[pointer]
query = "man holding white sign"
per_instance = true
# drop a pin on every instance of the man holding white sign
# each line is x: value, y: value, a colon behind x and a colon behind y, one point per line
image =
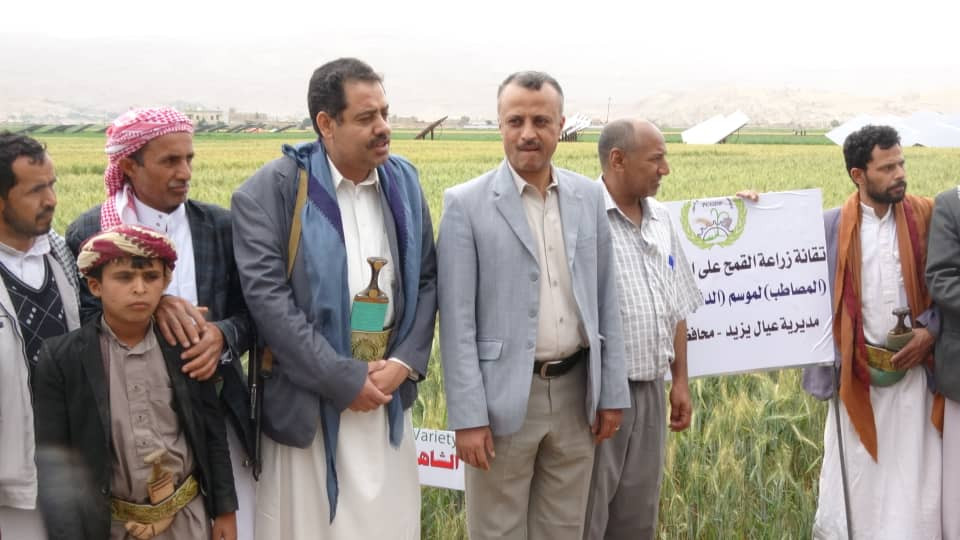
x: 657, y: 291
x: 876, y: 249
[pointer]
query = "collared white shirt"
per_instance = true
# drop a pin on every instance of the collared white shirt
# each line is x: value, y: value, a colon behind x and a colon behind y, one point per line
x: 27, y: 266
x: 177, y: 227
x: 364, y: 234
x: 881, y: 278
x: 559, y: 327
x: 655, y: 285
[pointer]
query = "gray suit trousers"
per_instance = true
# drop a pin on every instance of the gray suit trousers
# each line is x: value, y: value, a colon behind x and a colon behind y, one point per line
x: 628, y: 470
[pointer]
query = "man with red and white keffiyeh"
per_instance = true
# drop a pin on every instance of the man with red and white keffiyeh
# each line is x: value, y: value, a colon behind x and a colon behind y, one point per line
x: 147, y: 182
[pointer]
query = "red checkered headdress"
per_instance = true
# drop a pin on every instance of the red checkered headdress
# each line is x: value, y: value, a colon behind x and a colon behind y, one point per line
x: 127, y: 134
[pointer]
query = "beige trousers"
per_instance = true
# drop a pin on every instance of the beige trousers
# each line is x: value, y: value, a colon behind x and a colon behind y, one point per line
x: 537, y: 485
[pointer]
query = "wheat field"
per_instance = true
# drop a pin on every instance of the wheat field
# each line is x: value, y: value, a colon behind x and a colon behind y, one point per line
x: 748, y: 466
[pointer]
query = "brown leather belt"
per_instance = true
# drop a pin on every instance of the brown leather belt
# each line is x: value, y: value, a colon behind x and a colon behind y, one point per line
x: 549, y: 369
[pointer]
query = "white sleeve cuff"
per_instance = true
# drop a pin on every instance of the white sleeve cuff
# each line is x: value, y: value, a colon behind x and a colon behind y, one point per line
x: 411, y: 374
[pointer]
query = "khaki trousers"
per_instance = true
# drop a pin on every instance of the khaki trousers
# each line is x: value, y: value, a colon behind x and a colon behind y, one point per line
x: 537, y: 485
x: 628, y: 470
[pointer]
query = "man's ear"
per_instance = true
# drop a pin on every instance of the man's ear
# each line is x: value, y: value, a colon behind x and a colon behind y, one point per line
x: 167, y: 276
x: 615, y: 159
x: 858, y: 176
x: 128, y: 166
x: 96, y: 288
x: 325, y: 124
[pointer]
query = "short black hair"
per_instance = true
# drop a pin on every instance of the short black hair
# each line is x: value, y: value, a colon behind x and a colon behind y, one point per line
x: 136, y: 261
x: 617, y: 134
x: 13, y: 146
x: 531, y: 80
x: 325, y: 91
x: 859, y: 145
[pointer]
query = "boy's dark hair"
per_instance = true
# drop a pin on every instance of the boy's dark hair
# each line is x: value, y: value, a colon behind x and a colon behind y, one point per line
x: 13, y: 146
x: 859, y: 145
x: 325, y: 91
x: 136, y: 262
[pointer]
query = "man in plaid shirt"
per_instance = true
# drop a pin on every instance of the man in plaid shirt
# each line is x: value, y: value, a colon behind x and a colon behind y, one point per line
x: 657, y: 292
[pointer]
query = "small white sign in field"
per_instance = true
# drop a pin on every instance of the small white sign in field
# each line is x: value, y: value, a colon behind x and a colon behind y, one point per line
x: 437, y: 460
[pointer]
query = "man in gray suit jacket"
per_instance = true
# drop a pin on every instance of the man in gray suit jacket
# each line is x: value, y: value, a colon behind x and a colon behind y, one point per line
x: 529, y: 326
x: 338, y: 438
x: 943, y: 280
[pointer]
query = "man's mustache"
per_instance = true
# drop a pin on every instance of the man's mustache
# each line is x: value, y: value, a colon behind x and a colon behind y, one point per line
x: 900, y: 184
x: 382, y: 139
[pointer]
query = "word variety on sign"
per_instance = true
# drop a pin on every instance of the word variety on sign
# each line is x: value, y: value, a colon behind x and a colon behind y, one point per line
x: 437, y: 461
x: 762, y: 270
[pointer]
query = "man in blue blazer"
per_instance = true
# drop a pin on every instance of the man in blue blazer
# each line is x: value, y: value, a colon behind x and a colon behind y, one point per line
x: 530, y: 337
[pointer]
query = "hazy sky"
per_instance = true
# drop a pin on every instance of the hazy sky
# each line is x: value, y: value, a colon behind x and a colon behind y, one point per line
x: 447, y: 57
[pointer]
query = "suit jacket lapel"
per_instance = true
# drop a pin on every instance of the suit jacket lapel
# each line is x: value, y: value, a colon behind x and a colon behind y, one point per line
x: 570, y: 203
x: 507, y: 200
x: 92, y: 357
x: 201, y: 231
x: 184, y: 405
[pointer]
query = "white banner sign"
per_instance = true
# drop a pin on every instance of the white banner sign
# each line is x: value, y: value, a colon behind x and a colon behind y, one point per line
x: 437, y: 460
x: 762, y: 270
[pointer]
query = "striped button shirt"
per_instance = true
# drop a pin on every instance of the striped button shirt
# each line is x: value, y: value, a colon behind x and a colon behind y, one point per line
x: 656, y: 286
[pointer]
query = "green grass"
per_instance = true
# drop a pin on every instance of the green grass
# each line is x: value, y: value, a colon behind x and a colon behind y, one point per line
x: 748, y: 466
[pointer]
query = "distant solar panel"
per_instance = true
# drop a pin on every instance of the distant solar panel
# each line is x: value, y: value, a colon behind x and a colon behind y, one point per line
x: 714, y: 129
x: 575, y: 124
x: 922, y: 128
x: 429, y: 129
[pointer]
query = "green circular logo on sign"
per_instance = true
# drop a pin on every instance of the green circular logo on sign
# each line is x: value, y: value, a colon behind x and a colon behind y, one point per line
x: 713, y: 222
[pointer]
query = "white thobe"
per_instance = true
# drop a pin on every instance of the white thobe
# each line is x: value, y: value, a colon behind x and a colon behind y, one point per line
x: 897, y: 496
x: 379, y: 489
